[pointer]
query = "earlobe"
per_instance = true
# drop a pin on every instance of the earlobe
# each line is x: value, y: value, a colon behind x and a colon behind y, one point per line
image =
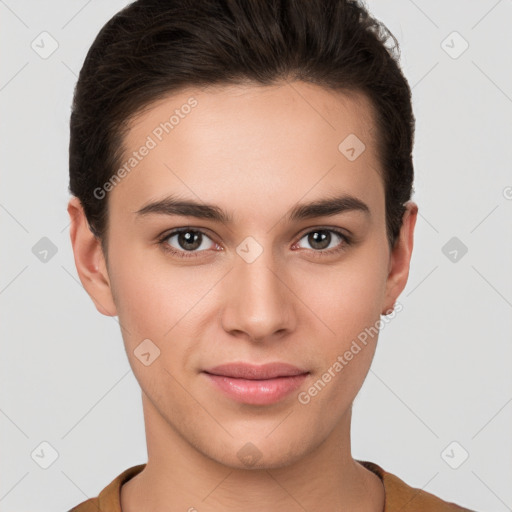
x: 89, y: 260
x: 400, y: 258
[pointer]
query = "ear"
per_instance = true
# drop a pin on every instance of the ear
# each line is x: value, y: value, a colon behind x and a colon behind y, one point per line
x: 89, y: 260
x: 400, y: 258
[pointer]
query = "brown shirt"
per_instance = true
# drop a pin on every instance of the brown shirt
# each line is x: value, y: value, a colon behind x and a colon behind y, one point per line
x: 399, y: 496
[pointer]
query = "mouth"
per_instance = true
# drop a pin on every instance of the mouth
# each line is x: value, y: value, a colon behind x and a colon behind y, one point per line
x: 256, y: 384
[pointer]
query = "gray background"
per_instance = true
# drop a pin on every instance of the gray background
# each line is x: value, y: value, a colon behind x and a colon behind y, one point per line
x: 442, y: 371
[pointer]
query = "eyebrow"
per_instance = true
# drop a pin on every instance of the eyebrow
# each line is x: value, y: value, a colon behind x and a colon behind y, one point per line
x: 173, y: 205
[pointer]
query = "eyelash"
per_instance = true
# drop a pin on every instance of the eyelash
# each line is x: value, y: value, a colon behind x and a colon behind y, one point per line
x: 162, y: 241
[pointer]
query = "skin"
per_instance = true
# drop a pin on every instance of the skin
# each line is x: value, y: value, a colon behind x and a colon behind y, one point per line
x: 255, y: 152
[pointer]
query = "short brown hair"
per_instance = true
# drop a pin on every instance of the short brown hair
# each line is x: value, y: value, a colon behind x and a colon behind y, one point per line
x: 153, y: 48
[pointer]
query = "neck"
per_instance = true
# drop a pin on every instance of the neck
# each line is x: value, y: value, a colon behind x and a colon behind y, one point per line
x: 178, y: 476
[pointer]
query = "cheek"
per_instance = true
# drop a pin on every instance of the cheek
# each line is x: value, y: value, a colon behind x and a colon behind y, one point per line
x: 147, y: 291
x: 346, y: 302
x: 151, y: 309
x: 159, y: 301
x: 348, y: 297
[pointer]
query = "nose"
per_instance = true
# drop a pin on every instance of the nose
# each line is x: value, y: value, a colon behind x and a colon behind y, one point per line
x: 259, y: 303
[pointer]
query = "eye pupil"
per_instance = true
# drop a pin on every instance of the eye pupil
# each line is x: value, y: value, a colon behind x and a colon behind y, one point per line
x: 314, y: 239
x: 185, y: 239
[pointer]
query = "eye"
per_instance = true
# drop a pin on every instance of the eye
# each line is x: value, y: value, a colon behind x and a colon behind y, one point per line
x: 322, y: 241
x: 187, y: 240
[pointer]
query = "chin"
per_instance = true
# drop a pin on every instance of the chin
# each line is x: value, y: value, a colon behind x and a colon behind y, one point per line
x: 258, y: 454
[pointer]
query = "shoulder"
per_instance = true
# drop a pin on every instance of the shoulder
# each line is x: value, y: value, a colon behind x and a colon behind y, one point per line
x: 403, y: 497
x: 87, y: 506
x: 108, y: 499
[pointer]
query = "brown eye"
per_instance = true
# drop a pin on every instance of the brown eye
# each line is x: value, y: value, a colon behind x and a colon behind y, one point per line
x: 325, y: 242
x: 186, y: 241
x: 319, y: 239
x: 189, y: 240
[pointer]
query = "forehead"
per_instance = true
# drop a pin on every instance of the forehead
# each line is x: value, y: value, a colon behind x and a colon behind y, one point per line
x: 251, y: 147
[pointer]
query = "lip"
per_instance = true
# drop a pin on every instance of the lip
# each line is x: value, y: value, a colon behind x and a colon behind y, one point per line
x: 256, y: 372
x: 256, y: 384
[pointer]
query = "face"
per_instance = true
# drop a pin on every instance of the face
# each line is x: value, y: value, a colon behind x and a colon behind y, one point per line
x: 251, y: 275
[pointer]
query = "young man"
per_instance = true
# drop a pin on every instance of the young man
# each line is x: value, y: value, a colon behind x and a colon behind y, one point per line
x: 241, y: 175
